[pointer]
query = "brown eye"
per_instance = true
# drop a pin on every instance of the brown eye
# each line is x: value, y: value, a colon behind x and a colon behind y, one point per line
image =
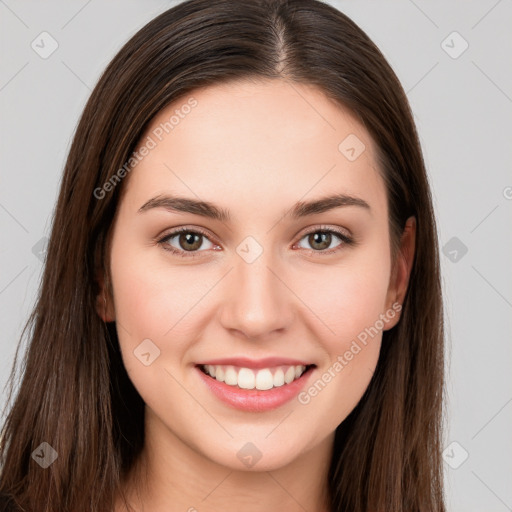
x: 320, y: 240
x: 187, y: 241
x: 190, y: 241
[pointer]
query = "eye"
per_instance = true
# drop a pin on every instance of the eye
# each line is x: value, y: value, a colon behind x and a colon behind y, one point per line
x: 321, y: 239
x: 188, y: 241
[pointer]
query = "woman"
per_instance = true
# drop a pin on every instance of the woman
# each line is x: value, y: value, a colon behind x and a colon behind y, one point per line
x: 241, y: 303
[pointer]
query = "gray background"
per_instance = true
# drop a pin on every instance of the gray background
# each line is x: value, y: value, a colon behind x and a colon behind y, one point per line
x: 462, y: 102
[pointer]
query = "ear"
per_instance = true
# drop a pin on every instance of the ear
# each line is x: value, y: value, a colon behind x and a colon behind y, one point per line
x: 401, y: 271
x: 104, y: 302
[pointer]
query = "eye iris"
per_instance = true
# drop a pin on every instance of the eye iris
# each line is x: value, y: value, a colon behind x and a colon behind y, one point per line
x: 324, y: 239
x: 189, y: 239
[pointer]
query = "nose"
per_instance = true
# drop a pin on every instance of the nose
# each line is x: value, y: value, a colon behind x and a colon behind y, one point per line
x: 258, y: 302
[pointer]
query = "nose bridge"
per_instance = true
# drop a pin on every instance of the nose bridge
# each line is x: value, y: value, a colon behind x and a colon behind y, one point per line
x: 257, y: 302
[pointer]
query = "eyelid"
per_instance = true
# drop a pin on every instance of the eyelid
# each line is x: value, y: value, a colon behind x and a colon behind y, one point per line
x: 325, y: 227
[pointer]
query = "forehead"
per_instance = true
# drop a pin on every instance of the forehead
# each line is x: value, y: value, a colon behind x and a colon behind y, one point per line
x: 256, y: 143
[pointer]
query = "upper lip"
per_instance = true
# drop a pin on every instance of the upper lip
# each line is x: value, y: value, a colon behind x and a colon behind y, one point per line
x: 267, y: 362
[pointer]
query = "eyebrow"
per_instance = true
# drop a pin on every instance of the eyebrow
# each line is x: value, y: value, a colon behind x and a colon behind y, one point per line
x: 206, y: 209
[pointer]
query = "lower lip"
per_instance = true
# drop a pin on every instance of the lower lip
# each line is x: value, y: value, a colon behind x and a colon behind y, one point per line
x: 255, y: 400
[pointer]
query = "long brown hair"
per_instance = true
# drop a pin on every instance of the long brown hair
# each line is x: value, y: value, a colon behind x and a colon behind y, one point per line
x: 75, y: 394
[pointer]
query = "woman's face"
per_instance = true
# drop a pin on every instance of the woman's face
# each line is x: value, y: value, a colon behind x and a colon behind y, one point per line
x: 261, y: 282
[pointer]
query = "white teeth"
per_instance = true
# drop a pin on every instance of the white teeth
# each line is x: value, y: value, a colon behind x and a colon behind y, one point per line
x: 246, y: 378
x: 230, y: 376
x: 264, y: 379
x: 289, y: 376
x: 278, y: 378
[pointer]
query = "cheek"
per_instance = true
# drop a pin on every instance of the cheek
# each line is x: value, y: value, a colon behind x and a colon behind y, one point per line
x: 345, y: 299
x: 152, y: 291
x: 348, y: 327
x: 153, y: 301
x: 348, y: 303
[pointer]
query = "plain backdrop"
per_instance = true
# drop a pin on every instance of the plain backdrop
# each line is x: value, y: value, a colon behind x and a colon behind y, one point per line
x: 453, y: 59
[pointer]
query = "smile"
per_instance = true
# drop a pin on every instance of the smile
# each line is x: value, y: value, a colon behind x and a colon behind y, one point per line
x: 267, y: 387
x: 261, y: 379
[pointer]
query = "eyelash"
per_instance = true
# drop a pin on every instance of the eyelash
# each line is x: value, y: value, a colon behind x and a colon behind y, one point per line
x: 193, y: 254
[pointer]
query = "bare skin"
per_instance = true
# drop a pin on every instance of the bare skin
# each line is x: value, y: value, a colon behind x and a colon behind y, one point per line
x: 254, y: 149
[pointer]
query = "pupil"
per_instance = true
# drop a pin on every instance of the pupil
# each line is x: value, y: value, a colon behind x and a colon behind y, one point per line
x: 317, y: 238
x: 189, y: 239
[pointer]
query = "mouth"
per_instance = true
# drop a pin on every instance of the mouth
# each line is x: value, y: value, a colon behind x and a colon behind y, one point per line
x: 255, y: 389
x: 262, y: 379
